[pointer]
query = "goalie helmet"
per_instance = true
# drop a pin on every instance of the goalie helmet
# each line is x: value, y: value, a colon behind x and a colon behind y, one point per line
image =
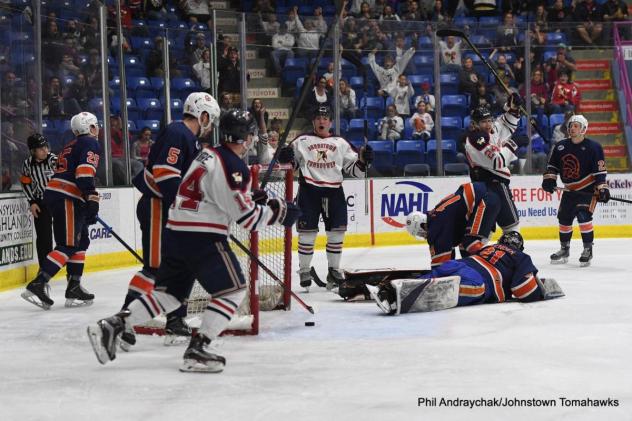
x: 578, y: 118
x: 236, y: 125
x: 481, y: 113
x: 512, y: 239
x: 36, y: 140
x: 417, y: 225
x: 82, y: 123
x: 199, y: 102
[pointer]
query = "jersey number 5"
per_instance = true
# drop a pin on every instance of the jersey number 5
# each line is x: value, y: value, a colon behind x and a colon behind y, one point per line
x: 190, y: 188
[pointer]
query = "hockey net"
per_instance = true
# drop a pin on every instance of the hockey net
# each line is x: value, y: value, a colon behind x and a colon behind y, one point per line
x: 272, y: 246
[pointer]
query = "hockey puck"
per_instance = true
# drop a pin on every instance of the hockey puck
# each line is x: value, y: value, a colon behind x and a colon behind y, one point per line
x: 310, y: 323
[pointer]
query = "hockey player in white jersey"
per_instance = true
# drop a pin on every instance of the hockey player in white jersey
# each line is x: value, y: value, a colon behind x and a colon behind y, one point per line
x: 322, y: 160
x: 490, y: 149
x: 214, y: 192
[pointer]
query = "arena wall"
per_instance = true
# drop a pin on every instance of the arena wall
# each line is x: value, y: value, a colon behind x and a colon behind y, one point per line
x: 390, y: 200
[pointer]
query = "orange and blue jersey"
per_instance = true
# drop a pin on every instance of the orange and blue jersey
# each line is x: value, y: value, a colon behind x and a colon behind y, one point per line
x: 76, y: 170
x: 169, y: 159
x: 581, y: 166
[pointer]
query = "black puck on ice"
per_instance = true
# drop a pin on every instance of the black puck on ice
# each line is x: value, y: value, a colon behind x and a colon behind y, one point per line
x: 310, y: 323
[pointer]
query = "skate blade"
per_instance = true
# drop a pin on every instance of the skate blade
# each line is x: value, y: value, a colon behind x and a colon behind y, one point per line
x: 306, y: 288
x: 73, y: 302
x: 194, y: 366
x: 174, y: 340
x: 584, y: 264
x: 125, y: 346
x: 373, y: 290
x: 32, y: 298
x: 560, y: 262
x: 94, y: 334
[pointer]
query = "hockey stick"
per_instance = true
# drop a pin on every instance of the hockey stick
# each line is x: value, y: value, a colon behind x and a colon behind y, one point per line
x: 585, y: 193
x: 304, y: 89
x: 366, y: 142
x: 120, y: 240
x: 461, y: 34
x: 269, y: 272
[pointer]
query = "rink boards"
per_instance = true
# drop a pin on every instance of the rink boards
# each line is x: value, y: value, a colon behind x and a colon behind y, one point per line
x: 376, y: 212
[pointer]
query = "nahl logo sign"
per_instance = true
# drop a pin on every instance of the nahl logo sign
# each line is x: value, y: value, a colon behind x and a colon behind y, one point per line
x: 402, y: 198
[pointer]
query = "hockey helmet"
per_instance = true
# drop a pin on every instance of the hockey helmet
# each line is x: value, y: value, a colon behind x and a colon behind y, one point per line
x: 82, y: 123
x: 578, y: 118
x: 512, y: 239
x: 481, y: 113
x: 236, y: 125
x: 36, y: 140
x: 199, y: 102
x: 417, y: 225
x: 322, y: 110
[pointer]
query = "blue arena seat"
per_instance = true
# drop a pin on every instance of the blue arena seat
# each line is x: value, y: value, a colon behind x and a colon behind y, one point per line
x: 151, y: 108
x: 410, y: 152
x: 449, y: 83
x: 448, y: 149
x: 374, y: 105
x: 454, y: 105
x: 383, y: 150
x: 451, y: 127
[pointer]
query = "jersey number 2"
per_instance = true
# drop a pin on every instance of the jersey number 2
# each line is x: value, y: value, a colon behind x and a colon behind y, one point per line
x: 190, y: 188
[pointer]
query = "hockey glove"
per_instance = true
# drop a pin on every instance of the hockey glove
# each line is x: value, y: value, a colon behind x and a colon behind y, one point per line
x: 366, y: 155
x: 509, y: 143
x: 260, y: 197
x: 92, y: 208
x: 549, y: 185
x: 603, y: 193
x: 284, y: 213
x: 514, y: 103
x: 286, y: 155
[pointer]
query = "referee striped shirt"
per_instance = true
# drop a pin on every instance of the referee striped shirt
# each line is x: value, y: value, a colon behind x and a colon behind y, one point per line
x: 35, y: 176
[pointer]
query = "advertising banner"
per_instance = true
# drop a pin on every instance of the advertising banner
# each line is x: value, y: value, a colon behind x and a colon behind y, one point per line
x: 16, y: 232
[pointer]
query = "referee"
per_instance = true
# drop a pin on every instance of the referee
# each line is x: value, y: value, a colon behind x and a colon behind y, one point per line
x: 37, y: 170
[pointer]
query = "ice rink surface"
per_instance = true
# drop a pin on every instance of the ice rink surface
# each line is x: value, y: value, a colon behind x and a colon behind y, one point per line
x: 355, y: 364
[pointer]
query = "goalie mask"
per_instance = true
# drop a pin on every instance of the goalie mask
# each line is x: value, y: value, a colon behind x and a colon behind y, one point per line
x: 512, y: 239
x: 417, y: 225
x: 581, y: 120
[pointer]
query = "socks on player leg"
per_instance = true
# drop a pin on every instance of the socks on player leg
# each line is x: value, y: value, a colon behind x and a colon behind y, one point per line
x: 334, y: 248
x: 306, y: 242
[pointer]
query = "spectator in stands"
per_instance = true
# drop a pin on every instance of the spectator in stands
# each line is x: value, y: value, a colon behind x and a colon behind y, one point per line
x: 117, y: 152
x: 426, y: 97
x: 53, y: 100
x: 202, y: 70
x: 318, y: 21
x: 400, y: 51
x: 507, y: 33
x: 224, y: 45
x: 275, y: 125
x: 92, y: 71
x: 450, y: 54
x: 365, y: 14
x: 198, y: 9
x: 541, y: 18
x: 273, y: 139
x: 616, y: 11
x: 387, y: 75
x: 562, y: 62
x: 12, y: 97
x: 270, y: 26
x: 414, y: 13
x: 539, y: 94
x: 52, y: 44
x: 348, y: 104
x: 402, y: 93
x: 77, y: 96
x: 318, y: 96
x: 142, y: 145
x: 154, y: 10
x: 391, y: 126
x: 225, y: 103
x: 199, y: 48
x: 259, y: 112
x: 499, y: 92
x: 308, y: 38
x: 560, y: 131
x: 468, y: 77
x: 154, y: 65
x: 422, y: 123
x: 73, y: 33
x: 439, y: 14
x: 329, y: 75
x: 589, y: 15
x: 558, y: 15
x: 67, y: 67
x: 263, y: 6
x: 389, y: 19
x: 282, y: 43
x: 565, y: 95
x: 90, y: 35
x: 229, y: 74
x: 127, y: 47
x: 481, y: 97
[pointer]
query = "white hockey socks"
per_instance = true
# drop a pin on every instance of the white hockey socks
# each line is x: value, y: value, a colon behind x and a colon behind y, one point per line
x: 218, y: 313
x: 148, y: 306
x: 306, y: 242
x: 334, y: 248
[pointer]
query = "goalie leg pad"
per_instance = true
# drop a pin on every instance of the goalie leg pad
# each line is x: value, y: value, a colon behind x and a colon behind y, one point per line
x: 421, y: 295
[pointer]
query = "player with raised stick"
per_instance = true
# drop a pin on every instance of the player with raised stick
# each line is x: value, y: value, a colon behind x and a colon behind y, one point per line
x: 73, y: 201
x: 489, y: 150
x: 322, y: 161
x: 214, y: 192
x: 580, y: 163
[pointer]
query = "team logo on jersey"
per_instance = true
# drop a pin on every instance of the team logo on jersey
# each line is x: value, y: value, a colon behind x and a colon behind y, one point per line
x: 560, y: 148
x: 402, y: 198
x: 570, y: 167
x: 481, y: 140
x: 321, y: 156
x: 237, y: 177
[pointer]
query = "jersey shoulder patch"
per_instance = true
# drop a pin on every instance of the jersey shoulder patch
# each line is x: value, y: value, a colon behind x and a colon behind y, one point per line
x: 236, y: 171
x: 478, y: 139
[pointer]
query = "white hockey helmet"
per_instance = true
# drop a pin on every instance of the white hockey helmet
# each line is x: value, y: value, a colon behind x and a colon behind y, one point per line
x: 416, y: 224
x: 578, y: 118
x: 82, y: 122
x: 199, y: 102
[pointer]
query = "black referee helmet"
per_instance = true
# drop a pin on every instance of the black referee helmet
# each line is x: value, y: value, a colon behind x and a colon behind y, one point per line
x: 36, y: 140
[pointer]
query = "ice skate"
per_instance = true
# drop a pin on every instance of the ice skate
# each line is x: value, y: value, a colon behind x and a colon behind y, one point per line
x: 77, y: 296
x: 561, y: 256
x: 176, y: 331
x: 105, y: 336
x: 334, y: 278
x: 586, y: 256
x: 384, y: 298
x: 38, y: 293
x: 197, y: 359
x: 128, y: 339
x: 305, y: 279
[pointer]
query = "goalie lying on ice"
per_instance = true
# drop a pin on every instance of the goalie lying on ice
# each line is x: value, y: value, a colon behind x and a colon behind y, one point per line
x: 497, y: 273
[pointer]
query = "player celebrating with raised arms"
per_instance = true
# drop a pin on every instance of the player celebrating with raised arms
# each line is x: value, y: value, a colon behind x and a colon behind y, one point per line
x: 73, y: 202
x: 489, y: 150
x: 214, y: 192
x: 581, y: 165
x: 323, y: 160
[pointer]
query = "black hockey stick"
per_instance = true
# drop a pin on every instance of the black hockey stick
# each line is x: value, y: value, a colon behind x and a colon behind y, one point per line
x: 585, y: 193
x: 120, y: 240
x: 307, y: 82
x: 269, y: 272
x: 461, y: 34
